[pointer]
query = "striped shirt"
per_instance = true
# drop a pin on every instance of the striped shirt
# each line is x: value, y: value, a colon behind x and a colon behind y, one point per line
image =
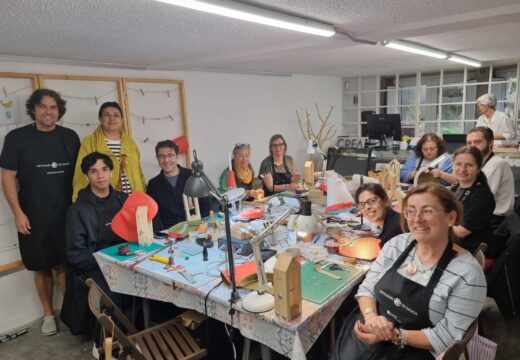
x: 115, y: 148
x: 457, y: 298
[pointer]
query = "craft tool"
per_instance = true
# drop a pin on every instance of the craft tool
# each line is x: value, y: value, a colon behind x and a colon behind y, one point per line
x: 187, y: 276
x: 143, y: 257
x: 331, y: 275
x: 160, y: 259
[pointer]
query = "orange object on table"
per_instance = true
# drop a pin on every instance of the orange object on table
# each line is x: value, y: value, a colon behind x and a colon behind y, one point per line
x: 363, y: 249
x: 254, y: 213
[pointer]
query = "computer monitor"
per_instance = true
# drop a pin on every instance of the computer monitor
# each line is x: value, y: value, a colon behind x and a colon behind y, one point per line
x: 381, y: 126
x: 454, y: 141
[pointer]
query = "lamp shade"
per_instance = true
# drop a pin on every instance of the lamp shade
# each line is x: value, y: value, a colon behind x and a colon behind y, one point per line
x: 196, y: 187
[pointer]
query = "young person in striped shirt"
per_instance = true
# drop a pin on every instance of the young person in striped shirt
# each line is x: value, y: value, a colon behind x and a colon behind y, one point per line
x: 110, y: 139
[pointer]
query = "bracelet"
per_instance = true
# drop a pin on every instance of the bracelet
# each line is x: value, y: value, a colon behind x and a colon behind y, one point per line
x: 401, y: 338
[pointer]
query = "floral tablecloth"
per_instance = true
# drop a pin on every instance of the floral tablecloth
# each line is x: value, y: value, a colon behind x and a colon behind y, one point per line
x: 289, y: 338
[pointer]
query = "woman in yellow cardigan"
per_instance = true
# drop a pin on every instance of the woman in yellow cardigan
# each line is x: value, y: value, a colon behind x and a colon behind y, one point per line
x: 110, y: 139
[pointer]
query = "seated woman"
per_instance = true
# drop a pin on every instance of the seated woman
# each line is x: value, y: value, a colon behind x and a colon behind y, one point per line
x: 477, y: 199
x: 109, y: 138
x: 428, y: 148
x: 244, y: 173
x: 422, y: 292
x: 375, y: 206
x: 278, y: 170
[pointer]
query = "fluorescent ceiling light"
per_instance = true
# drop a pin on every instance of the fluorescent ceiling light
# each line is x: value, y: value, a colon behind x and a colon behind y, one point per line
x: 464, y: 60
x: 257, y: 15
x: 416, y: 49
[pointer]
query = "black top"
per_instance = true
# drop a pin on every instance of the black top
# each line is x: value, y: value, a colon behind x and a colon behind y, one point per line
x: 479, y: 204
x: 391, y: 226
x: 88, y: 227
x: 44, y: 163
x: 169, y: 200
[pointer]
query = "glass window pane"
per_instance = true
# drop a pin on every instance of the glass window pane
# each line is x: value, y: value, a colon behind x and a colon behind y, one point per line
x: 468, y: 125
x: 451, y: 112
x: 368, y: 99
x: 407, y: 80
x: 478, y: 75
x: 504, y: 72
x: 452, y: 94
x: 451, y: 127
x: 387, y: 82
x: 430, y: 127
x: 407, y: 96
x: 350, y: 100
x: 350, y: 116
x: 429, y: 113
x: 388, y: 98
x: 471, y: 111
x: 429, y: 95
x: 499, y: 90
x: 369, y: 83
x: 431, y: 79
x: 407, y: 115
x: 453, y: 77
x: 473, y: 92
x: 350, y: 129
x: 350, y: 84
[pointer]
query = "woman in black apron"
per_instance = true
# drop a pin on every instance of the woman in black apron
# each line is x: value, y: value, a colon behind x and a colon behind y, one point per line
x: 390, y: 324
x: 476, y: 198
x: 277, y: 170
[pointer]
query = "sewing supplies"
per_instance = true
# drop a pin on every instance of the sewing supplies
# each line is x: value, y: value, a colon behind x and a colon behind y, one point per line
x: 329, y: 274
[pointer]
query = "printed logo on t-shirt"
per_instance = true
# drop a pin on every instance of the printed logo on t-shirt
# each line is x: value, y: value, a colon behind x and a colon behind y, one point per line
x: 54, y: 165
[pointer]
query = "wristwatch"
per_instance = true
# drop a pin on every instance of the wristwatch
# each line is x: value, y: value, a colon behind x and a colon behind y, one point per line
x: 368, y: 310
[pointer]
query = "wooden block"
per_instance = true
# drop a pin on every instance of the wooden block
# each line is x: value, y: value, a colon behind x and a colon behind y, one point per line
x: 144, y: 228
x: 287, y: 287
x: 308, y: 172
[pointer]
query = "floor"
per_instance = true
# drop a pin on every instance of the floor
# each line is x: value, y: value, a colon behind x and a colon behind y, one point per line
x: 506, y: 332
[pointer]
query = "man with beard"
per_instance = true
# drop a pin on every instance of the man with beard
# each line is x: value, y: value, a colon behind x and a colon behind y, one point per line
x: 498, y: 173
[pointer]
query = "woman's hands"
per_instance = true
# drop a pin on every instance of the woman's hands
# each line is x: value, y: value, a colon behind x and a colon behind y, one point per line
x: 376, y: 328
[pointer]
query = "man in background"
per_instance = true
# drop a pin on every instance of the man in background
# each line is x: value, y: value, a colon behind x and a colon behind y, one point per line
x: 41, y: 157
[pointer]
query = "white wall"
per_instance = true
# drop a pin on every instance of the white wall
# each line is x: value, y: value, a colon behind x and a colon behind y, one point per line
x: 223, y: 109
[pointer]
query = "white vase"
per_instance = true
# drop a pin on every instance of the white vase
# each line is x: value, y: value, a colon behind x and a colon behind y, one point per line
x: 403, y: 145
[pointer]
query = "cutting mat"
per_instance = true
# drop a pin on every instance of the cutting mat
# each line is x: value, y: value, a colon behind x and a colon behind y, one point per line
x: 317, y: 287
x: 112, y: 251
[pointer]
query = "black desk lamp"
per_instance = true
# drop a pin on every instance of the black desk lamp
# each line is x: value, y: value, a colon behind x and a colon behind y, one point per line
x: 199, y: 185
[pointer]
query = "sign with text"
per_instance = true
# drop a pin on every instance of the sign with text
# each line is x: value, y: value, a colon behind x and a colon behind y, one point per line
x: 350, y: 142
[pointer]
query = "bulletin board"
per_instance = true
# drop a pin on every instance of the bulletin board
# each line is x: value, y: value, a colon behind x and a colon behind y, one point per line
x: 153, y: 110
x: 15, y: 89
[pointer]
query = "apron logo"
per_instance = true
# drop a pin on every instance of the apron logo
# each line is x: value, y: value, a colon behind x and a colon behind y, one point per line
x: 397, y: 302
x: 54, y: 164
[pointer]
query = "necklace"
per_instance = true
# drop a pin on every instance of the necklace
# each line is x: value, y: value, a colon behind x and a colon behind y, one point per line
x: 411, y: 268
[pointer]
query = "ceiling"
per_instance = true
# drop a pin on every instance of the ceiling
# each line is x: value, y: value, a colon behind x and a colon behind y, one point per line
x: 146, y: 34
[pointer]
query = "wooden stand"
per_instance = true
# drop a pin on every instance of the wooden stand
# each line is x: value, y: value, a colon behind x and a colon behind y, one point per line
x: 287, y: 287
x: 144, y: 227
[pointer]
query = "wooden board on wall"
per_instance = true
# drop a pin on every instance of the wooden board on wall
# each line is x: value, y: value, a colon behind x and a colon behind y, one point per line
x: 156, y: 112
x: 15, y: 89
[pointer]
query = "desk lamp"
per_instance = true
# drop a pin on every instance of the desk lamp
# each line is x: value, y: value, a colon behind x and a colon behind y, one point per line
x: 260, y: 300
x: 199, y: 185
x: 306, y: 224
x: 313, y: 148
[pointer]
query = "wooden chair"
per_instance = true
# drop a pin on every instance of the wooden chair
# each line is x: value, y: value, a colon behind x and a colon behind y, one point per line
x: 454, y: 351
x: 169, y: 340
x: 480, y: 255
x: 187, y: 208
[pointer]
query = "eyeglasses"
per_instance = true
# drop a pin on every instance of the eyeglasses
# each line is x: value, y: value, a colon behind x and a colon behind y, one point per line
x: 427, y: 213
x: 167, y: 156
x: 429, y: 149
x: 277, y: 145
x: 369, y: 202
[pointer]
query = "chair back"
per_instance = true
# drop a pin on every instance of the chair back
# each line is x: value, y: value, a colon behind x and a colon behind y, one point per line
x: 480, y: 255
x: 454, y: 351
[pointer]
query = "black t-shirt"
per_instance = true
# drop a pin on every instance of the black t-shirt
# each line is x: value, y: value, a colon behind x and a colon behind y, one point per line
x: 44, y: 162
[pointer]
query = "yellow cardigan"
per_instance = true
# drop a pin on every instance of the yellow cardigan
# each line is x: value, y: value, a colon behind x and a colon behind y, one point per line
x: 96, y: 142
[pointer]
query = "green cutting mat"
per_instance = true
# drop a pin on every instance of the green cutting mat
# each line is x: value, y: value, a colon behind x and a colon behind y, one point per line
x: 112, y: 251
x: 317, y: 287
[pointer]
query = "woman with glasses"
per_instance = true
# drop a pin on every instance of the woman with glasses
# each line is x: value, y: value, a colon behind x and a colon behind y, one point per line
x: 110, y: 139
x: 375, y: 206
x: 277, y: 170
x: 476, y: 197
x: 428, y: 148
x: 244, y: 173
x: 422, y: 292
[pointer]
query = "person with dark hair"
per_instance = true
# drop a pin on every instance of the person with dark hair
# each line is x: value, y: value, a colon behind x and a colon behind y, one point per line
x: 168, y: 186
x: 375, y: 206
x: 502, y: 126
x: 428, y: 148
x: 477, y: 200
x: 41, y: 156
x: 498, y: 173
x: 277, y: 170
x: 109, y: 138
x: 244, y: 173
x: 422, y: 292
x: 88, y: 230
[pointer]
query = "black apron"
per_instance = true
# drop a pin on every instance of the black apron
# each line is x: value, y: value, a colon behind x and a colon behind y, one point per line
x: 405, y: 303
x: 278, y: 178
